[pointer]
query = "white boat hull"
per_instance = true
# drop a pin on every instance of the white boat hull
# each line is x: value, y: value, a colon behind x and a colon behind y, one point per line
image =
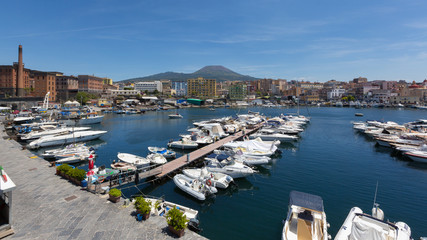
x: 65, y: 139
x: 191, y: 186
x: 417, y: 156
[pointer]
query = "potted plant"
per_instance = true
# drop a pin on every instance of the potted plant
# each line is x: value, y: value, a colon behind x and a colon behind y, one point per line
x: 115, y: 195
x: 143, y: 207
x: 79, y: 176
x: 177, y: 222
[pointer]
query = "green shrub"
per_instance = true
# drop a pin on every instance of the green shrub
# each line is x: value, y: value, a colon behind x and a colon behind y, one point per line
x: 79, y: 174
x: 65, y: 168
x: 142, y: 205
x: 176, y: 219
x: 114, y: 192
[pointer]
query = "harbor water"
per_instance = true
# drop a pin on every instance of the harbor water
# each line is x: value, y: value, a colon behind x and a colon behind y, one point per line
x: 330, y: 160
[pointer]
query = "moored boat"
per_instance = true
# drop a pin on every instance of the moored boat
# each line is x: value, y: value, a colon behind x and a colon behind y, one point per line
x: 198, y: 189
x: 165, y: 152
x: 306, y: 218
x: 156, y: 158
x: 218, y: 180
x: 65, y: 139
x: 359, y: 225
x: 137, y: 161
x: 175, y: 116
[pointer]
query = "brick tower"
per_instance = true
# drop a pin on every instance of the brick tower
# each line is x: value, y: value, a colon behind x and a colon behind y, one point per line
x: 20, y: 92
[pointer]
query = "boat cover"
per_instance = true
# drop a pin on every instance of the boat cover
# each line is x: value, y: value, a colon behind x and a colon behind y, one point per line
x: 362, y: 229
x: 306, y: 200
x: 252, y: 145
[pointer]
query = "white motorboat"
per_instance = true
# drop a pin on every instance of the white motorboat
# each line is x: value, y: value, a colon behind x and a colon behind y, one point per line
x: 65, y: 139
x: 359, y: 225
x: 165, y: 152
x: 184, y: 143
x: 84, y: 119
x: 137, y: 161
x: 21, y: 120
x: 255, y: 145
x: 274, y: 136
x: 69, y: 149
x: 157, y: 158
x: 198, y: 189
x: 199, y: 139
x: 123, y: 166
x: 240, y: 157
x: 34, y: 135
x: 306, y: 218
x: 164, y: 206
x: 175, y: 116
x: 230, y: 167
x: 75, y: 158
x: 418, y: 155
x: 218, y: 180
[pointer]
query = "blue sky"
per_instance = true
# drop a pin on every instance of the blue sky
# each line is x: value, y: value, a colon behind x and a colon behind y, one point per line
x: 291, y: 39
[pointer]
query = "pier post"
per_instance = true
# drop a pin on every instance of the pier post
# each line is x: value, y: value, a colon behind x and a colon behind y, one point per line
x: 188, y: 157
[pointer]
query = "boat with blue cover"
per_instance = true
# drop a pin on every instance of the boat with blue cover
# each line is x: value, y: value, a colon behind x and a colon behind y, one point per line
x: 165, y: 152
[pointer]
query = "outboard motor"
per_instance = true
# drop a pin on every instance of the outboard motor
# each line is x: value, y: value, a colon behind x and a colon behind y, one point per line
x: 193, y: 225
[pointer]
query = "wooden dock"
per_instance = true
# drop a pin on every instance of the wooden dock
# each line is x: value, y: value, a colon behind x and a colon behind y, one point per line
x: 171, y: 167
x: 167, y: 169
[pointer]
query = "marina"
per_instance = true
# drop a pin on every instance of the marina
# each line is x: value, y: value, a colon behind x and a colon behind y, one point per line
x: 328, y: 145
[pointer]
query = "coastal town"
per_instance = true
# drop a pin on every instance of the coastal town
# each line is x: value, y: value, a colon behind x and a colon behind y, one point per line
x: 20, y: 85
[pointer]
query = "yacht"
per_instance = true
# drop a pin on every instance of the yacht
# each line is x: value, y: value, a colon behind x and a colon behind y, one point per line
x: 306, y: 218
x: 34, y: 135
x: 68, y: 138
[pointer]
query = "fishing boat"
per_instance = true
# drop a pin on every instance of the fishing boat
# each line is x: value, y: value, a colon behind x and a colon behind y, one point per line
x: 196, y: 188
x: 306, y: 218
x: 359, y: 225
x: 137, y: 161
x: 219, y: 180
x: 63, y: 139
x: 358, y: 114
x: 175, y: 116
x: 184, y: 143
x: 156, y: 158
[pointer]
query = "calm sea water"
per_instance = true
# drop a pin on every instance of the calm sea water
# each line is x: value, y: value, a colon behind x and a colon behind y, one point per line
x: 330, y: 160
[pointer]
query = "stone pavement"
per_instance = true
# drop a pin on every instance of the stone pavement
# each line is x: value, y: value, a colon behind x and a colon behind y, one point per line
x: 45, y: 206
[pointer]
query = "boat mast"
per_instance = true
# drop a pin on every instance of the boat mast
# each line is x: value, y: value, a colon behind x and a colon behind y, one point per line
x: 375, y: 197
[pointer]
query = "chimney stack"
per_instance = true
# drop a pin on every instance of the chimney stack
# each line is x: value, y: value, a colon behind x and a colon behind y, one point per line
x: 20, y: 92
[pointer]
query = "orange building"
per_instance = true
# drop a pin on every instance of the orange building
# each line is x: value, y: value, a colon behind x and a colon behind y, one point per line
x: 8, y: 79
x: 90, y: 84
x: 44, y: 82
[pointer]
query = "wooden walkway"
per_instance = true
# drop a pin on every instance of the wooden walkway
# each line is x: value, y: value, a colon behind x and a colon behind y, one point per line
x: 167, y: 169
x: 175, y: 165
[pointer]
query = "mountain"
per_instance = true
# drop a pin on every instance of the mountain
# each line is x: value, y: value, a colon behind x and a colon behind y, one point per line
x: 219, y: 73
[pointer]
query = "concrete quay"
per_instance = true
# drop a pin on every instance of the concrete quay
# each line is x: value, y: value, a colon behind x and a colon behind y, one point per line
x: 45, y: 206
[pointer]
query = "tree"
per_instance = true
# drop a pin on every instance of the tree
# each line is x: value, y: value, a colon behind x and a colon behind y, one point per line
x: 84, y: 97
